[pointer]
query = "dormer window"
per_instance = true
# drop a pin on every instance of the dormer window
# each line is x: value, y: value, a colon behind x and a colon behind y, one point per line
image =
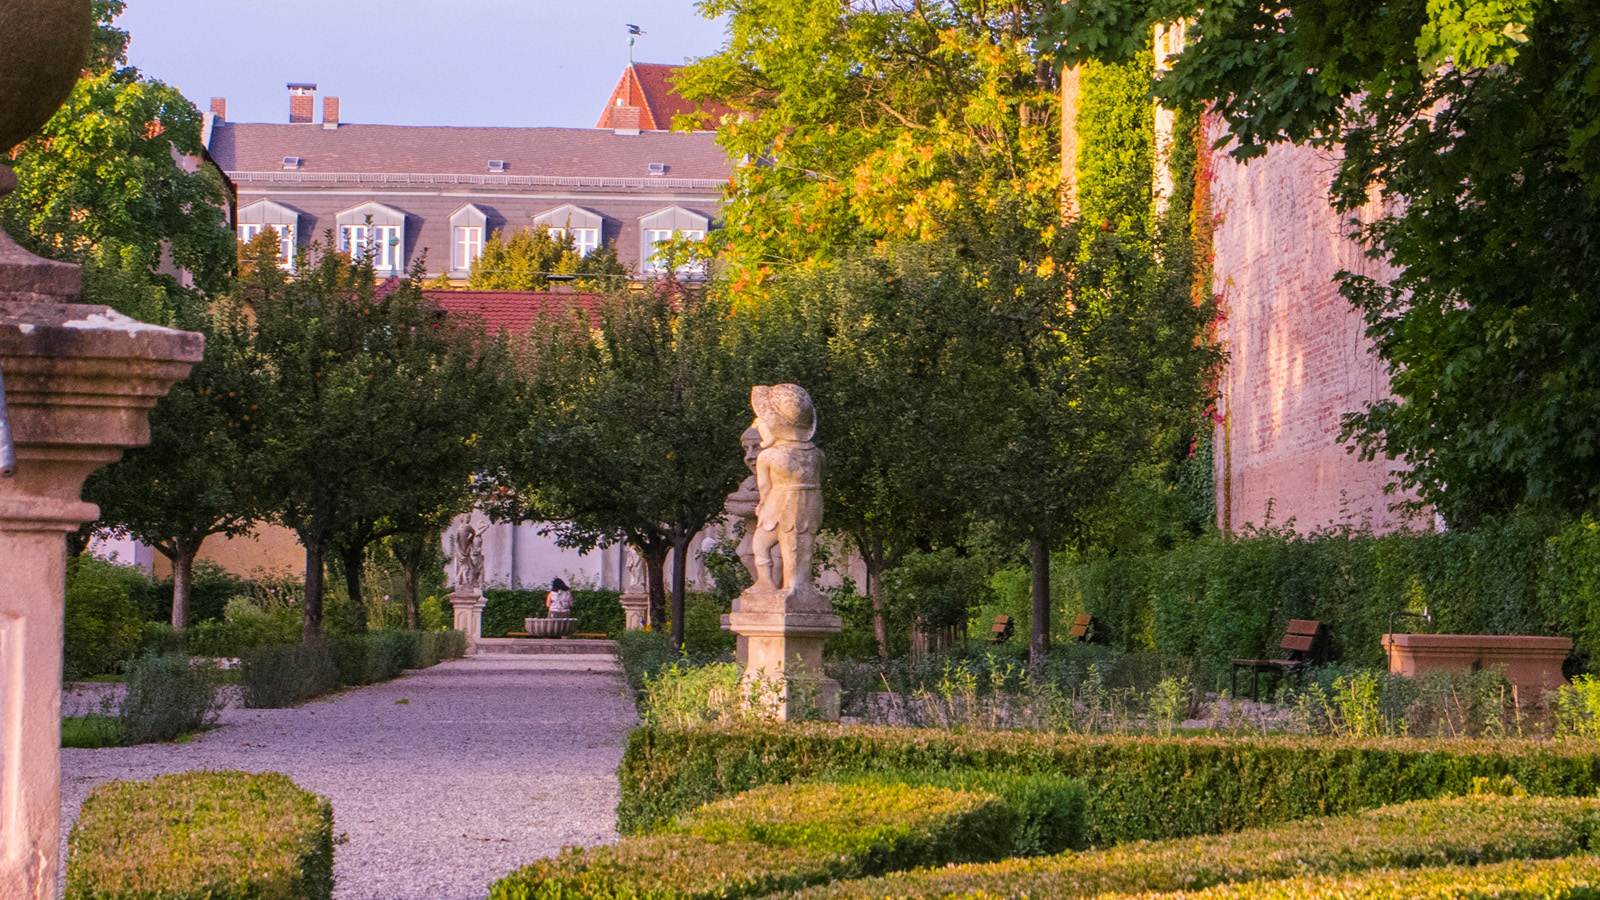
x: 291, y: 162
x: 497, y: 166
x: 468, y: 227
x: 376, y: 231
x: 658, y: 168
x: 263, y: 214
x: 584, y: 225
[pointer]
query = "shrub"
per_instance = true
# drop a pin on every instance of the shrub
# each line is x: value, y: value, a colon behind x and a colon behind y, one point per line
x: 1049, y: 808
x: 167, y: 696
x: 245, y: 625
x: 1140, y: 788
x: 934, y: 590
x: 779, y: 838
x: 102, y: 626
x: 1572, y: 878
x: 684, y: 694
x: 220, y: 835
x: 644, y: 655
x: 91, y: 732
x: 160, y: 638
x: 210, y: 589
x: 597, y: 612
x: 437, y: 646
x: 1407, y: 836
x: 286, y: 674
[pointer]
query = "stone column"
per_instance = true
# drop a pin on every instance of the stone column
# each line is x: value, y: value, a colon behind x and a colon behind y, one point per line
x: 633, y: 608
x: 468, y: 606
x: 79, y: 382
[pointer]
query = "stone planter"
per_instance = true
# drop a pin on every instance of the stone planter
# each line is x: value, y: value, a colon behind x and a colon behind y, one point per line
x: 1532, y: 664
x: 552, y: 627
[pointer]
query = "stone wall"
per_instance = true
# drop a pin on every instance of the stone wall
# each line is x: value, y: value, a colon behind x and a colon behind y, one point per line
x: 1298, y: 355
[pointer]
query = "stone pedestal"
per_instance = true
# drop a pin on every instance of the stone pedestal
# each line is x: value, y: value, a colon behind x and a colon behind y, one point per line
x: 633, y: 610
x: 1532, y: 663
x: 79, y: 384
x: 468, y: 607
x: 783, y: 655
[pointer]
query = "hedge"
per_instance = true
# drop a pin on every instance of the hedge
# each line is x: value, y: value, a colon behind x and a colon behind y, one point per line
x: 285, y: 674
x: 1406, y: 836
x: 1049, y: 808
x: 1224, y: 597
x: 1573, y: 878
x: 219, y: 835
x: 598, y: 612
x: 1140, y: 787
x: 778, y: 838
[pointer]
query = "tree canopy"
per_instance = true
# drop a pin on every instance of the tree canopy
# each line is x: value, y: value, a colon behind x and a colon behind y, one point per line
x: 525, y: 259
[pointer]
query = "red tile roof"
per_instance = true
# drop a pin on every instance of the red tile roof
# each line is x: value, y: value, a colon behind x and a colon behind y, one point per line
x: 514, y: 311
x: 649, y: 87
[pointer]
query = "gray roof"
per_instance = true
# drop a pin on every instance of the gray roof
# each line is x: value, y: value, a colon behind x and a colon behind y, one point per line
x: 438, y: 150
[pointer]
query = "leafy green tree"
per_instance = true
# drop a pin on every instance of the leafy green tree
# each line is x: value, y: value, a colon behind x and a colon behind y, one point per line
x: 525, y: 260
x: 371, y: 399
x: 873, y: 121
x: 633, y: 429
x: 1473, y: 125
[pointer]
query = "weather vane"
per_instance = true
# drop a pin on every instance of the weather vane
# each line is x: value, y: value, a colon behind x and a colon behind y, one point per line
x: 633, y: 32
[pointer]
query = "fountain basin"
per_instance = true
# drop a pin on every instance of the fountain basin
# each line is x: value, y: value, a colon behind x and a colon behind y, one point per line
x: 553, y: 627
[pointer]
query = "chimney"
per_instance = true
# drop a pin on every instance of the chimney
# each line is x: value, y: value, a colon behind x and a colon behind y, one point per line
x: 219, y: 108
x: 330, y: 113
x: 302, y: 103
x: 625, y: 119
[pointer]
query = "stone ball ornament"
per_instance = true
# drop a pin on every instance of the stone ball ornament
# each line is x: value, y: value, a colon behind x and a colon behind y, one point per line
x: 42, y: 52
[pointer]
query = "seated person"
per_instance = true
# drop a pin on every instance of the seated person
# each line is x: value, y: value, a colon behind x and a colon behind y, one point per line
x: 559, y: 600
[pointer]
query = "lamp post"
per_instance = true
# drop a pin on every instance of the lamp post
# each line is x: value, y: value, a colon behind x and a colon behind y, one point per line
x: 79, y: 383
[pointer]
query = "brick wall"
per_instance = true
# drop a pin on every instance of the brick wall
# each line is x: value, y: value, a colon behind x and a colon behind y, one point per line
x: 1298, y: 356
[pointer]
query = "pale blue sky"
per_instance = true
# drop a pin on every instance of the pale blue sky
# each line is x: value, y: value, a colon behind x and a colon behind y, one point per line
x: 411, y: 62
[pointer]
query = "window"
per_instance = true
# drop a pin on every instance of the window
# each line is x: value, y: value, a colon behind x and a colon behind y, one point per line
x: 249, y: 231
x: 386, y: 244
x: 656, y: 236
x: 584, y: 240
x: 469, y: 246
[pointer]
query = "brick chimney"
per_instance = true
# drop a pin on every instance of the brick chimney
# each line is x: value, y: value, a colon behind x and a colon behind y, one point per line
x: 330, y: 113
x: 302, y: 103
x: 219, y: 108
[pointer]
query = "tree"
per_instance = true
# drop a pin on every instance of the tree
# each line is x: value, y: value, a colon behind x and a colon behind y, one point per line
x: 874, y: 121
x: 371, y: 399
x: 633, y: 429
x: 199, y: 475
x: 525, y: 260
x: 1473, y: 125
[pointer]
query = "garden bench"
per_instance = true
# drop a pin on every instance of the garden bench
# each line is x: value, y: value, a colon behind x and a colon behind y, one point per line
x: 1002, y: 630
x: 1082, y: 631
x: 1307, y: 644
x: 590, y: 635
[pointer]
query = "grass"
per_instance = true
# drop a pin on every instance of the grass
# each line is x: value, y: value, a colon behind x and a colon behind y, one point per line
x: 90, y: 732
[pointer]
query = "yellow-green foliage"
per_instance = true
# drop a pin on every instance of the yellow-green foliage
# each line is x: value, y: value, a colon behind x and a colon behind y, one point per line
x: 1569, y: 879
x: 1139, y: 788
x: 213, y: 835
x: 1324, y: 851
x: 778, y: 839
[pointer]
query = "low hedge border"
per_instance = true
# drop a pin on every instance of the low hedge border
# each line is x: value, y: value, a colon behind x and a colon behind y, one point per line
x: 218, y: 835
x: 778, y: 838
x: 1140, y: 787
x: 1049, y: 808
x: 1556, y: 879
x: 1407, y: 836
x: 281, y: 675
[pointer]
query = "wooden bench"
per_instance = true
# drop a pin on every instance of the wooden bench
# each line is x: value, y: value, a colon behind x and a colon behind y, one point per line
x: 1082, y: 631
x: 1306, y: 643
x: 590, y: 635
x: 1002, y: 631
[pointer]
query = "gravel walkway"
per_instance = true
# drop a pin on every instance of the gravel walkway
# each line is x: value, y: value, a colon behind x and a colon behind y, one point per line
x: 444, y: 780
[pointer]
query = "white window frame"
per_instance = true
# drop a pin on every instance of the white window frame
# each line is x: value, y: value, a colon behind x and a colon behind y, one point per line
x: 249, y: 231
x: 387, y: 243
x: 468, y: 247
x: 657, y: 236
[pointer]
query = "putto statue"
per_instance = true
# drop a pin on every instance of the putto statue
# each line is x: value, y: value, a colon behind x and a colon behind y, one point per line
x: 789, y: 479
x: 742, y: 503
x: 463, y: 548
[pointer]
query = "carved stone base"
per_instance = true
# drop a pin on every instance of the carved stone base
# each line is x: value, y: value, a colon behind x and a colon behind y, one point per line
x: 783, y: 666
x: 468, y: 607
x: 633, y: 610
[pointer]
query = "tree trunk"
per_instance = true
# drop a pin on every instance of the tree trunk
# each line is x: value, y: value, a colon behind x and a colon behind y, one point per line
x: 680, y: 569
x: 655, y: 563
x: 352, y: 557
x: 182, y: 580
x: 409, y: 550
x: 314, y: 576
x: 872, y: 559
x: 1039, y: 648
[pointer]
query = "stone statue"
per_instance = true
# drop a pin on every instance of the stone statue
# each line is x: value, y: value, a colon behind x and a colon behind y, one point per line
x: 634, y: 561
x: 742, y: 503
x: 789, y: 479
x: 463, y: 548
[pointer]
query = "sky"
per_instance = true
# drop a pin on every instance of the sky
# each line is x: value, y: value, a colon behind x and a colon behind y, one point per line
x: 411, y: 62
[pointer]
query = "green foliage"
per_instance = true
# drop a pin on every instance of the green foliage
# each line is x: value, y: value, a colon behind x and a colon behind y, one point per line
x: 1139, y: 788
x: 777, y: 839
x: 221, y: 835
x: 1048, y: 808
x: 167, y: 696
x: 644, y: 655
x: 685, y: 694
x: 281, y: 675
x: 597, y: 612
x: 103, y: 628
x: 1577, y: 708
x: 525, y: 260
x: 245, y: 625
x: 1116, y: 148
x: 935, y: 590
x: 1410, y: 836
x: 91, y: 732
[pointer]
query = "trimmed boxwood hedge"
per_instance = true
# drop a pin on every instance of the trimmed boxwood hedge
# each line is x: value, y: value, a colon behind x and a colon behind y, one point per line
x: 1406, y: 836
x: 217, y: 835
x: 778, y: 838
x: 1140, y: 787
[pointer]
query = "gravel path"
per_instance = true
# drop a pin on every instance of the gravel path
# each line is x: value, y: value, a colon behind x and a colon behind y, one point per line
x: 444, y: 780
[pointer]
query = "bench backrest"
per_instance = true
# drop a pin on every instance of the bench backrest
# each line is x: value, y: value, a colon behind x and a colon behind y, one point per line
x: 1082, y: 627
x: 1304, y: 639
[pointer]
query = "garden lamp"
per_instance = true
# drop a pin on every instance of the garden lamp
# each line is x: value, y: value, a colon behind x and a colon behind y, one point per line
x: 1424, y: 615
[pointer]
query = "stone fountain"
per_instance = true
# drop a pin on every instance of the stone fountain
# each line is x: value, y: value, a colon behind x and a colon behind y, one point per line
x: 77, y: 383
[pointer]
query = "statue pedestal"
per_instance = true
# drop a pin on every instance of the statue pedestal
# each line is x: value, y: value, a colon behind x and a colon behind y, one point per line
x: 79, y: 384
x: 468, y: 607
x: 783, y: 665
x: 633, y: 610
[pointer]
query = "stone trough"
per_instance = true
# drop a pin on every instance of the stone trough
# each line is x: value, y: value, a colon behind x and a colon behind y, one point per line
x: 1532, y: 663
